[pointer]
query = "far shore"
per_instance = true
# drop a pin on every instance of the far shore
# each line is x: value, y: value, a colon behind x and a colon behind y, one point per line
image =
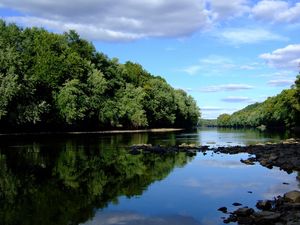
x: 154, y: 130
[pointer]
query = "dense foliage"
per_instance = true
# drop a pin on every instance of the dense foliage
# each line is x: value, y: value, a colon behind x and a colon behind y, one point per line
x: 282, y: 110
x: 55, y: 81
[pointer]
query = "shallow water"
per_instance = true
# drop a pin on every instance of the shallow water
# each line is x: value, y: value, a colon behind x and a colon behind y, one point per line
x: 90, y: 179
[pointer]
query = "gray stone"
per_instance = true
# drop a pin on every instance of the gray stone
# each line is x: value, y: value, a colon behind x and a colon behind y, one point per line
x: 264, y: 205
x: 292, y: 196
x: 244, y: 212
x: 267, y: 216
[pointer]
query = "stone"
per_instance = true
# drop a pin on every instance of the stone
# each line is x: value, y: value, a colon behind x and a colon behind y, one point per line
x: 223, y: 209
x: 264, y: 205
x: 247, y: 162
x: 292, y: 196
x: 245, y: 220
x: 236, y: 204
x: 244, y: 211
x: 266, y: 216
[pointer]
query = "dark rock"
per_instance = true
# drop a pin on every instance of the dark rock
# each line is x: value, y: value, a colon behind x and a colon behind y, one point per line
x: 285, y: 183
x: 223, y: 209
x: 266, y: 217
x: 245, y: 220
x: 247, y: 162
x: 244, y: 211
x: 231, y: 218
x: 250, y: 192
x: 264, y: 205
x: 236, y: 204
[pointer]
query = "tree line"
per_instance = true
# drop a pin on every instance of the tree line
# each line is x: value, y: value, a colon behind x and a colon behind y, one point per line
x: 282, y: 110
x: 59, y: 81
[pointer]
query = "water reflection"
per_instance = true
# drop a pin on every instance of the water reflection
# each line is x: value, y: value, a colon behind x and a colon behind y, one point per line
x: 131, y: 218
x: 91, y: 179
x: 40, y: 184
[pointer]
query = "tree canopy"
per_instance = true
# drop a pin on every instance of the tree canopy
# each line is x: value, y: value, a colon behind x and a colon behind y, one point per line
x: 59, y: 81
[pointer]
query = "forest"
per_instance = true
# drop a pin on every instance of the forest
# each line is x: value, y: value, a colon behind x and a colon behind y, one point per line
x: 281, y: 111
x: 54, y: 81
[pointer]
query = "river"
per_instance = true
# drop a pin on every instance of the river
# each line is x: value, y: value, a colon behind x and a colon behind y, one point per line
x: 91, y: 179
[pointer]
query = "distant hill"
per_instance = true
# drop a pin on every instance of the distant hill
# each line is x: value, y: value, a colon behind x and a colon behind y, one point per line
x: 282, y: 110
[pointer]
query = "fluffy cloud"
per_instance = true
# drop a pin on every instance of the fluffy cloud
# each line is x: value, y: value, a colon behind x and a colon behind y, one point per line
x: 277, y: 11
x: 227, y: 87
x: 114, y: 19
x: 248, y: 35
x: 227, y: 9
x: 286, y: 58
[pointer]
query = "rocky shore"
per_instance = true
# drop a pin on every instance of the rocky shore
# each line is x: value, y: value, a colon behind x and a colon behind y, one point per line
x: 280, y: 211
x: 285, y: 155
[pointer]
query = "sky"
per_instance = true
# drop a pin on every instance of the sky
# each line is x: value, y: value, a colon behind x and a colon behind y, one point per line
x: 226, y: 54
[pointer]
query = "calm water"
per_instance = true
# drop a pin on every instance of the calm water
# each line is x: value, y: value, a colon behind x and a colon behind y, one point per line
x: 92, y: 180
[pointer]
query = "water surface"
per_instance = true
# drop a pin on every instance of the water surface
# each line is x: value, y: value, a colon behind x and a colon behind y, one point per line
x: 92, y: 180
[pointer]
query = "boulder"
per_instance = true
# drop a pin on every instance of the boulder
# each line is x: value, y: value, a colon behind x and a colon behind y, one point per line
x: 292, y: 196
x: 264, y: 205
x: 242, y: 212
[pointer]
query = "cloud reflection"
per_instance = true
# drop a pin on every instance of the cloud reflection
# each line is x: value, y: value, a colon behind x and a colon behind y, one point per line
x: 132, y: 218
x: 231, y: 164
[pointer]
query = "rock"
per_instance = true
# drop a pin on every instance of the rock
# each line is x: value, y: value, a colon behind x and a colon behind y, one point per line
x: 247, y: 162
x: 264, y: 205
x: 266, y: 217
x: 250, y: 192
x: 236, y: 204
x: 292, y: 196
x: 285, y: 183
x: 231, y: 218
x: 223, y: 209
x: 244, y: 212
x: 245, y: 220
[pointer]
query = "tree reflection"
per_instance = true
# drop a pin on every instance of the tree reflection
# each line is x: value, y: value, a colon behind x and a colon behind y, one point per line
x: 62, y: 183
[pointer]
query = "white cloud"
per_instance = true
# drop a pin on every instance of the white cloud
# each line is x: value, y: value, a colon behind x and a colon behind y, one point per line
x: 220, y: 10
x: 238, y: 36
x: 227, y: 87
x: 284, y: 58
x: 114, y: 19
x: 281, y: 82
x: 276, y: 11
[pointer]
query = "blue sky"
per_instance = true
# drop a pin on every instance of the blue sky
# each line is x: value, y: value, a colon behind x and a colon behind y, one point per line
x: 226, y: 54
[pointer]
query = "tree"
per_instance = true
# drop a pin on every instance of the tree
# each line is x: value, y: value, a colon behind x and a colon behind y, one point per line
x: 71, y: 101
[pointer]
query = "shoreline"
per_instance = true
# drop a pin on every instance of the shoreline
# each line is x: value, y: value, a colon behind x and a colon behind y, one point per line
x: 153, y: 130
